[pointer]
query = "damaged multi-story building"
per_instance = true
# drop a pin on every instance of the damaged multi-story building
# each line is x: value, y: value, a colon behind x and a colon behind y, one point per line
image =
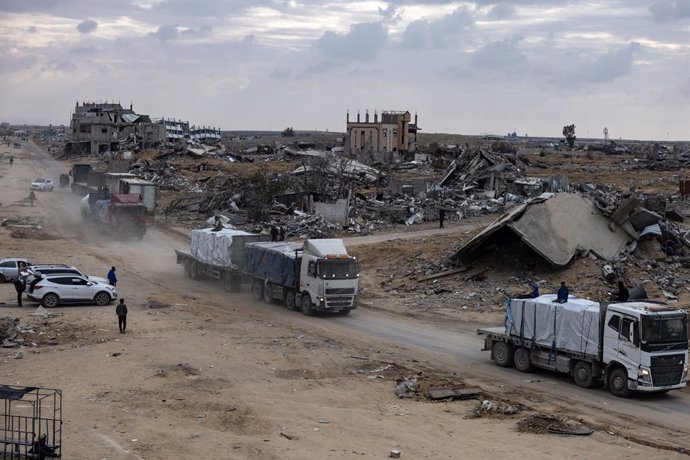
x: 101, y: 127
x: 394, y: 136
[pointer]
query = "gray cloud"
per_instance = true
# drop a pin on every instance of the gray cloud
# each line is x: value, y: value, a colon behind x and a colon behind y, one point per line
x: 610, y: 66
x: 87, y: 26
x: 362, y: 42
x: 165, y: 33
x: 442, y: 33
x: 502, y: 11
x: 32, y: 30
x: 59, y: 66
x: 504, y: 54
x: 668, y: 11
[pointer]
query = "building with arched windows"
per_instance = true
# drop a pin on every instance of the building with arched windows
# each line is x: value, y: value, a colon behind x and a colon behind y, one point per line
x: 393, y: 134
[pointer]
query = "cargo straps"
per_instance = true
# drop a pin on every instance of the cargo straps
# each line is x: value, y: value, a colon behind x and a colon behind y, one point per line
x: 552, y: 354
x: 522, y: 326
x: 534, y: 328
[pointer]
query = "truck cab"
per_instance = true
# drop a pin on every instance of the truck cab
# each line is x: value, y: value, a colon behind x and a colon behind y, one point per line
x: 328, y: 276
x: 644, y: 347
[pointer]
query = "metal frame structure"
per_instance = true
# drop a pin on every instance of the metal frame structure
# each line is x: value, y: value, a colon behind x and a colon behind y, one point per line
x: 30, y: 423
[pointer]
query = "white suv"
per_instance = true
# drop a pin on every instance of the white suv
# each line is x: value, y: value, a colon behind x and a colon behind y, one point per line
x: 53, y: 290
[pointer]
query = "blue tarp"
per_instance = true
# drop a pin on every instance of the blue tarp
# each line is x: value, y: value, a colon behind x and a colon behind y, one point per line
x: 275, y: 262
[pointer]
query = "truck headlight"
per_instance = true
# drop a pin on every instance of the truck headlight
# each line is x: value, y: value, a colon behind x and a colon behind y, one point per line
x: 644, y: 375
x: 685, y: 374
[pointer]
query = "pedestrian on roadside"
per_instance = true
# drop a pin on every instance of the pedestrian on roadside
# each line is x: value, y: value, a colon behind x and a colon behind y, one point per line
x: 112, y: 278
x: 121, y: 311
x: 32, y: 198
x: 274, y: 233
x: 281, y: 234
x: 11, y: 161
x: 19, y: 286
x: 441, y: 217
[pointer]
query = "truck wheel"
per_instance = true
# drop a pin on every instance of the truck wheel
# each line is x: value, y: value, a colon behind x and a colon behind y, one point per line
x: 523, y: 360
x: 618, y: 383
x: 268, y: 294
x: 101, y: 299
x: 307, y: 305
x: 194, y: 270
x: 257, y: 290
x: 502, y: 354
x: 289, y: 300
x: 50, y: 300
x: 582, y: 374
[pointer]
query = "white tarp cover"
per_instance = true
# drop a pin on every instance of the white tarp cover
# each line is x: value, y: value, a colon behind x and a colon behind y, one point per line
x: 576, y: 322
x: 214, y: 247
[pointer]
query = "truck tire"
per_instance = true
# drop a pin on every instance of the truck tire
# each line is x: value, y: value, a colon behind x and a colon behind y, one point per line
x: 618, y: 383
x: 194, y: 270
x: 257, y: 290
x: 307, y: 305
x: 50, y: 300
x: 522, y: 359
x: 289, y: 300
x: 268, y: 293
x: 582, y: 374
x: 502, y: 354
x: 101, y: 299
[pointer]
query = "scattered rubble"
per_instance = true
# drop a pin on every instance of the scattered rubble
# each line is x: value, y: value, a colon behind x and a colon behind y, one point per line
x: 547, y: 423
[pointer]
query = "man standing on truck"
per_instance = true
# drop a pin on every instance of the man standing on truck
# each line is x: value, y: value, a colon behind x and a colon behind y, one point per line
x: 112, y: 278
x: 121, y: 311
x: 563, y: 293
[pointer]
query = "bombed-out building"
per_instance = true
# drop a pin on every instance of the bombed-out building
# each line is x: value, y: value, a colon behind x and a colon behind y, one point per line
x: 101, y: 127
x: 393, y: 135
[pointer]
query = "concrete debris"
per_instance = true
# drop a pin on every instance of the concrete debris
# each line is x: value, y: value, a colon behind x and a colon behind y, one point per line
x: 490, y: 407
x: 547, y: 423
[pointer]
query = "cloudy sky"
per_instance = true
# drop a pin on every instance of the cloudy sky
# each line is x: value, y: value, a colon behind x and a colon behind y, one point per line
x: 487, y: 66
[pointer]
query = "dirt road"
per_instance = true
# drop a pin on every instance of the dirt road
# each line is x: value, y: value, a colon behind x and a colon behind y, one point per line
x: 219, y: 376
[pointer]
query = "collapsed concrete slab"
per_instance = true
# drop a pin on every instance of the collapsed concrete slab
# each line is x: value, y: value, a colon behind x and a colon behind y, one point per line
x: 557, y: 227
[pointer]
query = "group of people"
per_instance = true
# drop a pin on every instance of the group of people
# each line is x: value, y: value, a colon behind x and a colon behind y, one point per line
x: 277, y: 233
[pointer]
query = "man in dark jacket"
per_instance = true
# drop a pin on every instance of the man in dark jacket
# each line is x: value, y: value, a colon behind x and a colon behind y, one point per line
x: 112, y: 278
x: 19, y: 287
x: 121, y: 311
x: 563, y: 293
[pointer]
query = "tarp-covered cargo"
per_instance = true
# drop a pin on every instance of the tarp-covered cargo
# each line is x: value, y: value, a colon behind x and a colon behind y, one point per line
x: 214, y: 248
x: 275, y: 262
x: 573, y: 325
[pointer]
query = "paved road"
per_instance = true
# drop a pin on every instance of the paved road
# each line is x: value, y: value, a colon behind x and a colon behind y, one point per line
x: 450, y: 345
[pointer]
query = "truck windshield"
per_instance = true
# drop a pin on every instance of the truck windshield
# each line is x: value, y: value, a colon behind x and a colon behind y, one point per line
x: 337, y: 269
x: 656, y: 330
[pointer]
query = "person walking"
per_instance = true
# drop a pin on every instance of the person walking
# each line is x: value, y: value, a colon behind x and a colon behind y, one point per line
x: 112, y: 278
x: 11, y: 161
x: 32, y: 198
x: 121, y: 311
x: 19, y: 286
x: 441, y: 217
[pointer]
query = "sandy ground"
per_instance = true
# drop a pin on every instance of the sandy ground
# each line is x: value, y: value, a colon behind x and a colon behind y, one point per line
x: 218, y: 376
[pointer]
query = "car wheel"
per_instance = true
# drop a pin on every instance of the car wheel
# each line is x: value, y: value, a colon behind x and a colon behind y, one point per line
x: 101, y: 299
x: 503, y: 354
x: 50, y: 300
x: 307, y: 305
x: 2, y: 278
x: 618, y: 383
x: 582, y: 374
x: 522, y: 360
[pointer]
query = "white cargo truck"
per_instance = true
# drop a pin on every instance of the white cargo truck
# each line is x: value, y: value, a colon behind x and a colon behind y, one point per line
x: 629, y: 346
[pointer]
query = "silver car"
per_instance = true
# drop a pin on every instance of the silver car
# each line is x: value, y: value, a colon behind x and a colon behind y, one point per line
x: 52, y: 290
x: 43, y: 185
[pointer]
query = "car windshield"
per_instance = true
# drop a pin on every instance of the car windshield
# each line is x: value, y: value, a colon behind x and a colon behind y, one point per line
x: 337, y: 269
x: 671, y: 329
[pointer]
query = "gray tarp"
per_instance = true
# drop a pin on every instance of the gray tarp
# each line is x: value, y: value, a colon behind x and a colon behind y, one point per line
x: 574, y: 324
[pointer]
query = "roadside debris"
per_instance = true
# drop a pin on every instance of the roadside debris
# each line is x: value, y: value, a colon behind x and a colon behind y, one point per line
x: 547, y: 423
x: 491, y: 407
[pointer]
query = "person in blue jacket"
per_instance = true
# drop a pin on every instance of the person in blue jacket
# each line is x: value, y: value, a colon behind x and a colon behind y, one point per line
x: 112, y: 278
x: 563, y: 293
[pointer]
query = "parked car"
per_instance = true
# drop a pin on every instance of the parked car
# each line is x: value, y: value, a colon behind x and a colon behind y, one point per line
x: 9, y: 268
x: 60, y: 269
x: 54, y: 290
x: 43, y: 185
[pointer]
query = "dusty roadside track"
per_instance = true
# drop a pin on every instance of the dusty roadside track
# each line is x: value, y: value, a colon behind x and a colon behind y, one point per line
x: 660, y: 420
